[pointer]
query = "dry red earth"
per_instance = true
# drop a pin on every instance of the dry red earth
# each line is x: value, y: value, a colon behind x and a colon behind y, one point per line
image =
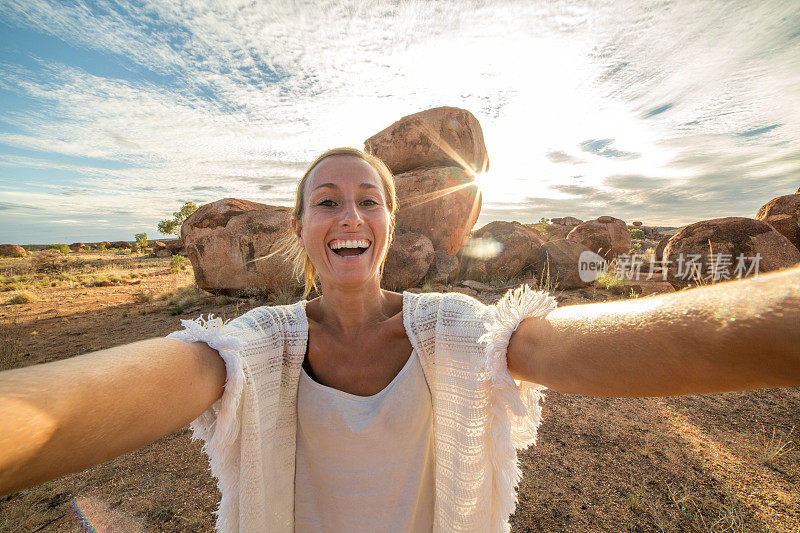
x: 657, y: 464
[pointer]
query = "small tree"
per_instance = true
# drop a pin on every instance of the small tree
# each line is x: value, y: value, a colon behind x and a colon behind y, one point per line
x: 141, y: 242
x: 173, y: 226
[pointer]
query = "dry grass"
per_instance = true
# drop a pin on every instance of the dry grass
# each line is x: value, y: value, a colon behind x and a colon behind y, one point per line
x: 22, y: 297
x: 185, y: 297
x: 773, y: 446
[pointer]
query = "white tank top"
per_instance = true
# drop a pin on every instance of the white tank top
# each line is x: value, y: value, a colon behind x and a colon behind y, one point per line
x: 365, y: 463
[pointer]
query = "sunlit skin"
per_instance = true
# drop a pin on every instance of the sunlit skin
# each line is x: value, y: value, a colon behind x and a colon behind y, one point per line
x: 357, y: 341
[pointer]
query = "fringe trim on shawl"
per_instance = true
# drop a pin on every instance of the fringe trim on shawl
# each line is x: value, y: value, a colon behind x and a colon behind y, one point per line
x: 515, y: 410
x: 218, y: 426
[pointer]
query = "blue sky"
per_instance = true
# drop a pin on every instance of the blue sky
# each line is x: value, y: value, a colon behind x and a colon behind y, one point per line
x: 112, y: 114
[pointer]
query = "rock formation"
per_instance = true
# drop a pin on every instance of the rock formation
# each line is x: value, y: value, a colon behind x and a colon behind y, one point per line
x: 783, y: 214
x: 606, y: 236
x: 12, y: 250
x: 558, y: 261
x: 443, y: 269
x: 408, y: 260
x: 223, y: 239
x: 441, y: 203
x: 439, y: 137
x: 734, y: 243
x: 499, y: 248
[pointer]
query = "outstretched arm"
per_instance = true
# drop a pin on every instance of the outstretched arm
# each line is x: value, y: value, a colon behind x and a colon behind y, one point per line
x: 736, y: 335
x: 68, y: 415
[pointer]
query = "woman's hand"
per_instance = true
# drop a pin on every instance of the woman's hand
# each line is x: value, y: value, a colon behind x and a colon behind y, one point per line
x: 68, y: 415
x: 736, y: 335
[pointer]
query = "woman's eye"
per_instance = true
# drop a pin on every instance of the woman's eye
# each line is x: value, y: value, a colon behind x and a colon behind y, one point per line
x: 369, y: 202
x: 327, y: 203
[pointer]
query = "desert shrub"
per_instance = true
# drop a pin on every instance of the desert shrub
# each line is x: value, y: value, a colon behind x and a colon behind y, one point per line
x: 637, y: 234
x: 176, y: 263
x: 63, y: 248
x: 101, y: 247
x: 22, y: 297
x: 50, y: 260
x: 541, y: 226
x: 498, y: 281
x: 141, y: 242
x: 185, y: 296
x: 607, y: 279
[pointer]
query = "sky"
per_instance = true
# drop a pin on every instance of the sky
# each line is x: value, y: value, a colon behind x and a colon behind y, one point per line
x: 113, y: 114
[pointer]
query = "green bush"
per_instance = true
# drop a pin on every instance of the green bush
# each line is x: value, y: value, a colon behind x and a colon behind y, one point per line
x: 63, y: 248
x: 173, y: 226
x: 141, y: 242
x: 176, y: 263
x: 101, y: 247
x: 637, y: 234
x: 541, y: 226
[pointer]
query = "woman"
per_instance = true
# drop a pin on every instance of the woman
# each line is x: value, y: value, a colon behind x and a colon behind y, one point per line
x: 364, y: 409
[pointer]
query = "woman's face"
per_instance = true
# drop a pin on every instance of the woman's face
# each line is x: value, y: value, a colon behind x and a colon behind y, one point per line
x: 345, y: 226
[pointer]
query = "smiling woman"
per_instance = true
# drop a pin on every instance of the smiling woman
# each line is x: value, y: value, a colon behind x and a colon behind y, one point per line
x: 364, y: 409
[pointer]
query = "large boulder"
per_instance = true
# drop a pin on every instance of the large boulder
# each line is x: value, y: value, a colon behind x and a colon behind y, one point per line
x: 659, y: 251
x: 439, y: 137
x: 77, y: 247
x: 558, y: 231
x: 783, y: 214
x: 734, y: 243
x: 227, y: 242
x: 12, y: 250
x: 558, y: 261
x: 443, y: 269
x: 441, y: 203
x: 606, y: 236
x: 175, y: 246
x: 408, y: 260
x: 122, y: 245
x: 498, y: 249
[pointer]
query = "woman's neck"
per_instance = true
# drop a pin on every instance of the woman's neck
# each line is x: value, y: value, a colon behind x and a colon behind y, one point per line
x: 348, y: 312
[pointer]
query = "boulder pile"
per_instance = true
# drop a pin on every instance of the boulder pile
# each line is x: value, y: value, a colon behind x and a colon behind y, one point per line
x: 434, y: 156
x: 228, y: 242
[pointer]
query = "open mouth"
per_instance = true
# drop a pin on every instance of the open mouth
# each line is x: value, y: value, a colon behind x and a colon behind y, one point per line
x: 349, y: 248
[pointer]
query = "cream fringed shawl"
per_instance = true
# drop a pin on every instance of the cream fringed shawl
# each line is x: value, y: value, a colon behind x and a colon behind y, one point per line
x: 481, y: 416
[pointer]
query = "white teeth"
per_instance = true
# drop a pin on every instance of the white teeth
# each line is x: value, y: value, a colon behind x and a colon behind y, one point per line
x: 349, y: 244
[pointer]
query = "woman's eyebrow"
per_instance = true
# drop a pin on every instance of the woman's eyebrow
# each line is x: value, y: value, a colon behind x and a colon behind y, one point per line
x: 334, y: 186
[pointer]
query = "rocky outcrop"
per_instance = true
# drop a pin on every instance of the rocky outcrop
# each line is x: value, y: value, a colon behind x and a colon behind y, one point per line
x: 408, y: 260
x: 637, y: 223
x: 443, y: 269
x: 439, y: 137
x: 12, y: 250
x: 659, y: 251
x: 227, y: 242
x: 122, y: 245
x: 728, y: 246
x: 783, y: 214
x: 499, y: 248
x: 558, y: 261
x: 566, y: 221
x: 77, y: 247
x: 606, y: 236
x: 557, y: 231
x: 172, y: 246
x: 441, y: 203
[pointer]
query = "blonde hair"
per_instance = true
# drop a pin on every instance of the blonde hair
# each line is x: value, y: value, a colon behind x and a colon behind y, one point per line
x: 290, y: 246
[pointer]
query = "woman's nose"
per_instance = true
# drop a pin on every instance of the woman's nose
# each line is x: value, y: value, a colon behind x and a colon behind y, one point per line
x: 351, y: 215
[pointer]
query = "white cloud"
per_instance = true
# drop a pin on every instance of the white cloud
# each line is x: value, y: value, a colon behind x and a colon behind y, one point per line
x: 243, y: 93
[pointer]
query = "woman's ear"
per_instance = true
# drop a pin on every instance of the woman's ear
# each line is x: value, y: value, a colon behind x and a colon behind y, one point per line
x: 297, y: 227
